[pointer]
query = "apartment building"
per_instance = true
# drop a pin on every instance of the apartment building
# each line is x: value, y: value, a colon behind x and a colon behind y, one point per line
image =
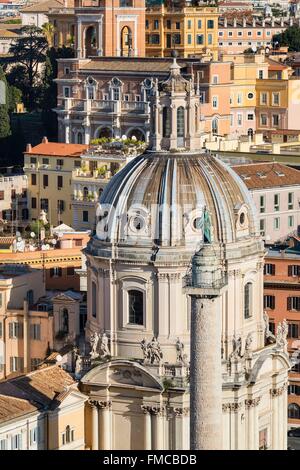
x: 282, y: 302
x: 48, y: 167
x: 190, y: 30
x: 275, y: 189
x: 13, y: 202
x: 26, y: 324
x: 235, y: 35
x: 42, y: 410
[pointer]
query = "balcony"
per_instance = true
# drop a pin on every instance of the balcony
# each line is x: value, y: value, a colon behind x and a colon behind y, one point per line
x: 103, y: 106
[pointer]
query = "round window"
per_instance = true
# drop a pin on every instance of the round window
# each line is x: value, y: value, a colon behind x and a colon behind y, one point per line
x: 138, y: 223
x: 250, y: 96
x: 197, y: 223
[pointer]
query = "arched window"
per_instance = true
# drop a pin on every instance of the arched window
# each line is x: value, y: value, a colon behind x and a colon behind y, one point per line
x: 135, y: 307
x: 90, y: 41
x: 166, y: 121
x: 85, y: 192
x: 100, y: 192
x: 65, y: 320
x: 294, y: 411
x: 248, y: 292
x: 180, y: 126
x: 215, y: 126
x: 79, y: 138
x: 126, y: 41
x: 94, y: 299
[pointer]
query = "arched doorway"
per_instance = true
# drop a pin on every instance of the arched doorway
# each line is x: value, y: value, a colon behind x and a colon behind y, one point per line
x: 91, y: 41
x: 137, y: 133
x: 104, y: 132
x: 250, y: 133
x: 215, y: 126
x: 126, y: 41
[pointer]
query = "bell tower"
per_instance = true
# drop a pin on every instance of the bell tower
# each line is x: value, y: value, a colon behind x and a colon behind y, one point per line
x: 175, y: 114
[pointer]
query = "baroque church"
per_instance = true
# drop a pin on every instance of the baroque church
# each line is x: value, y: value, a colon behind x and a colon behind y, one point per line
x: 181, y: 348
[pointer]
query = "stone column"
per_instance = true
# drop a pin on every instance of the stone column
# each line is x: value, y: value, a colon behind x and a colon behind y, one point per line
x: 157, y: 429
x: 95, y: 425
x: 206, y: 374
x: 105, y: 437
x: 173, y: 136
x: 250, y: 406
x: 79, y: 39
x: 178, y: 434
x: 147, y: 427
x: 279, y: 415
x: 100, y: 45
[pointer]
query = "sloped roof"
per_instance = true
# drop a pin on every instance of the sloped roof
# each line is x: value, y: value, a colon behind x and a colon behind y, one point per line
x: 58, y: 149
x: 42, y: 7
x: 267, y: 175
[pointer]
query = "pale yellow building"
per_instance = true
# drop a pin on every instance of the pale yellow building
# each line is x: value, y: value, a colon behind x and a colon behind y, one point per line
x: 42, y: 410
x: 191, y: 31
x: 49, y: 167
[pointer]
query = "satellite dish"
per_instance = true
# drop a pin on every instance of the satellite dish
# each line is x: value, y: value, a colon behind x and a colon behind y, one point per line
x: 254, y: 48
x: 54, y: 241
x: 59, y: 358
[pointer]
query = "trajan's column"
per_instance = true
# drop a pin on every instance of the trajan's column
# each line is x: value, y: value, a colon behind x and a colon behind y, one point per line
x: 205, y: 289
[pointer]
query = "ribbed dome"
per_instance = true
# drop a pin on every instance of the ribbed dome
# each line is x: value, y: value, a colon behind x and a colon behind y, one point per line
x: 163, y: 199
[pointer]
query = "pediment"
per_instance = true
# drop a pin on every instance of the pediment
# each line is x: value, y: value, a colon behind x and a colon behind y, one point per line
x: 122, y: 373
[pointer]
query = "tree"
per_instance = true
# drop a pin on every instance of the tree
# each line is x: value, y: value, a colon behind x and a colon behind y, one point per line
x: 14, y: 98
x: 290, y: 37
x: 5, y: 130
x: 48, y: 31
x: 29, y: 51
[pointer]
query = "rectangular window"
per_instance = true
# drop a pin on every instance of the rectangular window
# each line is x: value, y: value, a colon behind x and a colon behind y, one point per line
x: 35, y: 331
x: 276, y: 203
x: 262, y: 228
x: 263, y: 98
x: 248, y: 292
x: 215, y: 79
x: 240, y: 33
x: 269, y: 269
x: 70, y: 271
x: 1, y: 195
x: 250, y: 117
x: 16, y: 442
x: 15, y: 330
x: 3, y: 444
x: 176, y: 38
x: 189, y: 24
x: 230, y: 34
x: 33, y: 203
x: 262, y: 207
x: 215, y: 102
x: 290, y: 221
x: 199, y: 24
x: 45, y: 181
x: 210, y: 24
x: 155, y: 24
x: 94, y: 299
x: 263, y: 119
x: 290, y: 201
x: 45, y: 161
x: 60, y: 182
x: 85, y: 216
x: 276, y: 223
x: 33, y: 160
x: 59, y: 163
x: 293, y: 303
x: 177, y: 25
x: 260, y: 74
x: 294, y: 270
x: 147, y: 24
x: 67, y: 92
x: 239, y: 119
x: 189, y: 39
x: 45, y: 205
x: 35, y: 362
x: 263, y: 439
x: 154, y: 39
x: 293, y: 331
x: 55, y: 272
x: 209, y: 39
x: 33, y: 179
x: 16, y: 364
x: 60, y: 206
x: 275, y: 99
x: 199, y: 39
x: 269, y: 302
x: 169, y: 24
x: 275, y: 119
x: 239, y: 98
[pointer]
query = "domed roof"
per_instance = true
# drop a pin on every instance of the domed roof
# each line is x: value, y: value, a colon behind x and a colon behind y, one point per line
x: 175, y: 199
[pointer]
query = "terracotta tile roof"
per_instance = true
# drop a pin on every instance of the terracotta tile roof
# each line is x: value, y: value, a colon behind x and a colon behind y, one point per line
x: 273, y: 65
x: 42, y: 7
x: 58, y: 149
x: 34, y: 391
x: 267, y: 175
x: 130, y: 65
x: 284, y: 132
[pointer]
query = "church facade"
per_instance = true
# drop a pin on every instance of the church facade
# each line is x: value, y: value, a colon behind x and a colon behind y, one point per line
x: 175, y: 300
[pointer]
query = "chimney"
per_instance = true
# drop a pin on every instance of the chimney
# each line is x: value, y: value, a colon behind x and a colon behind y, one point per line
x: 225, y: 22
x: 282, y: 22
x: 45, y: 140
x: 263, y: 23
x: 272, y: 22
x: 254, y: 23
x: 234, y: 22
x: 291, y: 21
x: 244, y: 22
x: 28, y: 148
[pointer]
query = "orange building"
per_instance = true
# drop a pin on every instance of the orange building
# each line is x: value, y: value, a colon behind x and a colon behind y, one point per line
x: 282, y: 302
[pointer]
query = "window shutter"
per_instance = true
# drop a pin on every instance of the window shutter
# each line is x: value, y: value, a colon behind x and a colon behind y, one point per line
x: 273, y: 302
x: 289, y: 303
x: 290, y: 270
x: 273, y: 269
x: 38, y: 331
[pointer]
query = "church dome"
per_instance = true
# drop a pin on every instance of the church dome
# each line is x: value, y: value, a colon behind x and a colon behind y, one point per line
x: 175, y: 199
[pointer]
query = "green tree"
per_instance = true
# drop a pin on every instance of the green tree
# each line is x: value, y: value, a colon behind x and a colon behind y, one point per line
x: 29, y: 51
x: 48, y: 31
x: 14, y: 97
x: 290, y: 37
x: 5, y: 130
